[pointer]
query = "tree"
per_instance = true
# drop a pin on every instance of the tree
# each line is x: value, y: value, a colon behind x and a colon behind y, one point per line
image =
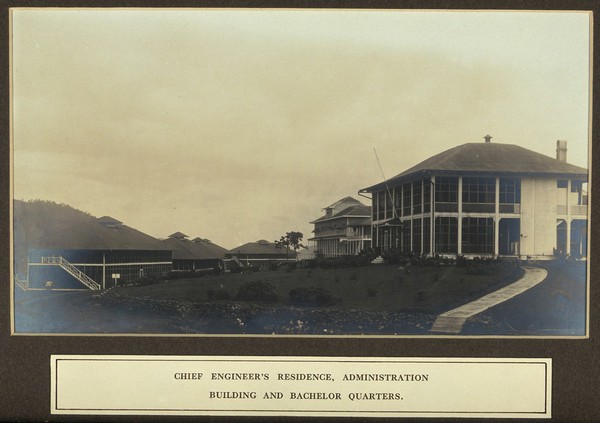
x: 290, y: 240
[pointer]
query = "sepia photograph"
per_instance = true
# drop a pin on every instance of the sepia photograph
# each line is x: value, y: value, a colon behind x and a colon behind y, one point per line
x: 300, y: 172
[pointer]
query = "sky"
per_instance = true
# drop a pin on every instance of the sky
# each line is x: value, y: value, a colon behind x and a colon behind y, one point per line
x: 240, y: 125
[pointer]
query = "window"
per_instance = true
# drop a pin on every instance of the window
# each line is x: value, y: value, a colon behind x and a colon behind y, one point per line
x: 375, y: 203
x: 562, y: 183
x: 446, y: 194
x: 478, y: 235
x: 478, y: 190
x: 416, y: 196
x: 426, y: 235
x: 479, y: 194
x: 426, y: 195
x: 406, y: 232
x: 381, y: 205
x: 510, y: 191
x: 389, y: 204
x: 406, y: 203
x: 446, y: 235
x: 416, y: 236
x: 397, y: 201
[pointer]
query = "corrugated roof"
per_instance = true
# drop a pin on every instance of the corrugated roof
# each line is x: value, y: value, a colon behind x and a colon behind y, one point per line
x: 488, y: 158
x: 261, y: 247
x: 96, y: 235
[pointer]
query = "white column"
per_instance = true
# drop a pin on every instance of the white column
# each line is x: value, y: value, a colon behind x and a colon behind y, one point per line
x: 432, y: 218
x: 497, y: 217
x: 422, y: 213
x: 459, y: 230
x: 411, y: 216
x: 103, y: 270
x: 568, y: 219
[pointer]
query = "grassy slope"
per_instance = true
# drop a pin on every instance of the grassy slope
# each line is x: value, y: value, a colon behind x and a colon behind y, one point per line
x: 442, y: 287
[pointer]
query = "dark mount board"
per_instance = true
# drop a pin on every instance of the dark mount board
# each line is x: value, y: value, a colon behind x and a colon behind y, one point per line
x: 25, y: 360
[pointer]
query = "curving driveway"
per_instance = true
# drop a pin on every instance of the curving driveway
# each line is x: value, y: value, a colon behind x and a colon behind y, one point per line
x: 452, y: 321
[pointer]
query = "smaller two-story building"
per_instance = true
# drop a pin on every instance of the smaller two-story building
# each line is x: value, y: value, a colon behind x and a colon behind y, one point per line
x: 344, y: 229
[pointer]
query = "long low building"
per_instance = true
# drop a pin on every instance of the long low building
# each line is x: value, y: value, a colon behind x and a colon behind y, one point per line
x: 261, y: 253
x: 97, y: 254
x: 484, y: 199
x: 196, y: 254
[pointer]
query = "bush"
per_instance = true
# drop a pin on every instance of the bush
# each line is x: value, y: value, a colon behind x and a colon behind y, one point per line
x: 257, y: 291
x: 219, y: 294
x: 312, y: 296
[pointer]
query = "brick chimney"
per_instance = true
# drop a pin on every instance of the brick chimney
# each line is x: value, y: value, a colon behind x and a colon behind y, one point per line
x: 561, y: 151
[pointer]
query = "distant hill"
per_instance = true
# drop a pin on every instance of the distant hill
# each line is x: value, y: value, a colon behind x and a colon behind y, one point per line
x: 33, y: 219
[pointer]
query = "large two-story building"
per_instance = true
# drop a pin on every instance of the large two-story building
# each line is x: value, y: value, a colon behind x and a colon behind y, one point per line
x: 484, y: 199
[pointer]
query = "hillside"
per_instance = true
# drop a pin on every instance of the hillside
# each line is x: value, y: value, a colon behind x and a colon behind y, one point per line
x: 33, y: 219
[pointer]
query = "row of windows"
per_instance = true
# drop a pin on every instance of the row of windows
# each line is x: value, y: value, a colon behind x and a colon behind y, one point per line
x: 478, y: 195
x: 477, y: 236
x: 405, y: 200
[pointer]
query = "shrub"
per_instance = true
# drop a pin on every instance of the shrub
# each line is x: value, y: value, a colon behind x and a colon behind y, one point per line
x: 219, y: 294
x: 257, y: 291
x: 312, y: 296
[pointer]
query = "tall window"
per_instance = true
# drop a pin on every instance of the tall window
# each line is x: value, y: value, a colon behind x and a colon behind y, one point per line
x: 426, y: 235
x: 426, y: 195
x: 375, y: 203
x: 446, y: 235
x: 416, y: 236
x: 446, y: 194
x: 510, y: 191
x: 406, y: 232
x: 381, y: 205
x: 417, y: 192
x: 389, y: 203
x: 479, y: 194
x: 509, y: 195
x: 397, y: 201
x: 478, y: 235
x: 406, y: 203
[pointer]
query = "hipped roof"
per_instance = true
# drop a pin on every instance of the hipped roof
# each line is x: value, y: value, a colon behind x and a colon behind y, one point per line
x: 353, y: 211
x: 261, y: 247
x: 184, y: 249
x: 487, y: 158
x: 100, y: 234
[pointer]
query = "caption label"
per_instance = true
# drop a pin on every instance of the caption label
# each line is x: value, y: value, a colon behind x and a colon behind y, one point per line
x: 294, y: 386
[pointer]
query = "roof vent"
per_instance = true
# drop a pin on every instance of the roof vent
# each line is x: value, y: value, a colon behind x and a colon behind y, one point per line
x: 178, y: 235
x: 561, y: 151
x: 109, y: 222
x: 488, y: 138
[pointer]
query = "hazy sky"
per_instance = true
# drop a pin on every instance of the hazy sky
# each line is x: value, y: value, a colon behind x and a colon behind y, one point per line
x: 239, y: 125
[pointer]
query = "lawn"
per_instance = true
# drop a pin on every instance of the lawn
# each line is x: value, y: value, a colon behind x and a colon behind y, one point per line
x: 370, y: 288
x: 375, y: 299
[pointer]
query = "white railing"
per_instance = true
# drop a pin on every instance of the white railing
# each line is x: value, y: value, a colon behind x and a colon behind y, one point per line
x: 579, y: 210
x: 24, y: 285
x: 73, y: 271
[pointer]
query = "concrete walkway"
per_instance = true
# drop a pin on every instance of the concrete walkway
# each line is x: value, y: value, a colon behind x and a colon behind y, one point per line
x: 452, y: 321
